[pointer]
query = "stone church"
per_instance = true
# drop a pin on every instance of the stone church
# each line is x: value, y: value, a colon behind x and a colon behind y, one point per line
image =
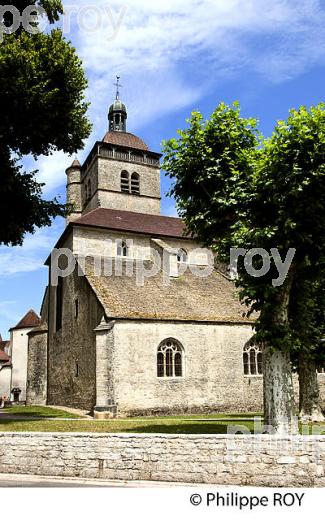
x: 153, y: 332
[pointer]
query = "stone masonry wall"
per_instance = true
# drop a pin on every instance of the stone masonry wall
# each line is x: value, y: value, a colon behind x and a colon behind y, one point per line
x: 72, y: 349
x: 213, y: 377
x: 37, y: 368
x: 246, y: 460
x: 109, y: 178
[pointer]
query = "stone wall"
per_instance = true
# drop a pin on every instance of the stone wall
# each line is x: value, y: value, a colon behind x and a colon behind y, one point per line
x: 105, y: 176
x: 246, y: 460
x: 109, y: 177
x: 103, y: 242
x: 72, y: 350
x: 5, y: 380
x: 213, y: 377
x: 37, y: 367
x: 19, y: 356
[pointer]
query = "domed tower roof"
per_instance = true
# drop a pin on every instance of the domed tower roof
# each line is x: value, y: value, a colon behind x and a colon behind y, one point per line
x: 117, y: 114
x: 117, y: 106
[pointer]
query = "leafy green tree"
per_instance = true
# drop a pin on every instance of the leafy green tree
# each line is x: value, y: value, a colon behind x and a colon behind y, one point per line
x: 43, y: 109
x: 237, y: 190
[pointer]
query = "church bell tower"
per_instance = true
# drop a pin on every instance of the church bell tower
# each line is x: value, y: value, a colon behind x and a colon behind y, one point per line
x: 119, y: 173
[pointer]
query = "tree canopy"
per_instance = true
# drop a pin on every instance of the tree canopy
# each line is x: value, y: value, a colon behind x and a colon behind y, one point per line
x: 43, y: 109
x: 236, y: 189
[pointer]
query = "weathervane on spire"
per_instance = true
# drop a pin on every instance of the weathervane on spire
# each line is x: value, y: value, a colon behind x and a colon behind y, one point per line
x: 118, y: 86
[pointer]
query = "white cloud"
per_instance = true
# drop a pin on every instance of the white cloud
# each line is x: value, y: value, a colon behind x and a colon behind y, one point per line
x: 31, y: 255
x: 170, y: 53
x: 156, y: 36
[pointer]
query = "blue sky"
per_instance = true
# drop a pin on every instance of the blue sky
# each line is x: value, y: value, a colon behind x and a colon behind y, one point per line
x: 174, y: 56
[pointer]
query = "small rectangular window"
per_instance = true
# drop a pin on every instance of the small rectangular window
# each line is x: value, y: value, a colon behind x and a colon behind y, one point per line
x: 76, y: 309
x: 59, y: 303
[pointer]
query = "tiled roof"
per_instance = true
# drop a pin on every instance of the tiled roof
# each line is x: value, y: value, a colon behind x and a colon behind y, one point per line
x: 4, y: 358
x: 187, y: 298
x: 29, y: 320
x: 134, y: 222
x: 3, y: 345
x: 125, y: 139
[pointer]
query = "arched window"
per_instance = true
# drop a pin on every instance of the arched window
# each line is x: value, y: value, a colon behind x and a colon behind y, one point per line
x: 125, y: 181
x: 135, y: 183
x: 182, y: 256
x: 170, y: 359
x: 122, y: 249
x: 252, y: 358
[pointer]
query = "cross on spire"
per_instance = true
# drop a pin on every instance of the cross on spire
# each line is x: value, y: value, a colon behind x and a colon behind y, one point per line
x: 118, y: 86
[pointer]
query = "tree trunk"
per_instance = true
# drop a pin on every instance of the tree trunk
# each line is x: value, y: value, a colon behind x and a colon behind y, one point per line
x: 278, y: 393
x: 277, y: 381
x: 309, y: 401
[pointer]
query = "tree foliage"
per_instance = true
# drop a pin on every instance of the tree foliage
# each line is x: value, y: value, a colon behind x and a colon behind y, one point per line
x: 236, y: 189
x: 43, y: 109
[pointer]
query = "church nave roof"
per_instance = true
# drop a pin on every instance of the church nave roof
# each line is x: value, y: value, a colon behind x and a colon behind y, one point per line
x: 135, y: 222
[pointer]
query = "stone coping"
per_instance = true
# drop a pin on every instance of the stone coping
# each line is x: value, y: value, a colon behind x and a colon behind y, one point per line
x: 200, y: 436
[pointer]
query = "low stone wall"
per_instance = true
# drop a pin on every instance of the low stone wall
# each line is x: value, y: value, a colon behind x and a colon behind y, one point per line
x: 255, y: 460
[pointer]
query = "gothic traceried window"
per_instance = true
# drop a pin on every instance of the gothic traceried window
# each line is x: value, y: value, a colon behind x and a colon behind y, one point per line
x: 125, y: 182
x: 252, y: 359
x: 122, y: 249
x: 170, y: 359
x: 135, y: 183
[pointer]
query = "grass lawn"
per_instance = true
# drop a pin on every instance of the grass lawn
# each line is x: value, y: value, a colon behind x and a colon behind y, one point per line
x: 187, y: 424
x: 159, y: 425
x: 38, y: 411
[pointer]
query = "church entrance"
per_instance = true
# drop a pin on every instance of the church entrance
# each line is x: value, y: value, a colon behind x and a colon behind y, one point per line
x: 16, y: 393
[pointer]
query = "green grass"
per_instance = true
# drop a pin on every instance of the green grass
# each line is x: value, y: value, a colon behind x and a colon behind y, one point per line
x: 120, y: 426
x: 185, y: 424
x: 38, y: 411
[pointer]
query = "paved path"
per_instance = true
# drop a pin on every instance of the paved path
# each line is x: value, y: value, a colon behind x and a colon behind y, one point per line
x: 17, y: 417
x: 37, y: 481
